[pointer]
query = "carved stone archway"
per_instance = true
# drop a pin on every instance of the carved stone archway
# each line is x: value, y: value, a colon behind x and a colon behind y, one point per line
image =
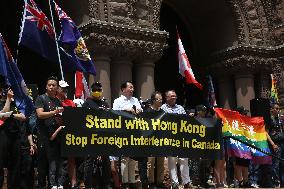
x: 127, y: 32
x: 257, y: 49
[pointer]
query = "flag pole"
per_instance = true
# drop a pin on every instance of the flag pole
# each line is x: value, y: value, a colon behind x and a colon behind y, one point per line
x: 21, y: 30
x: 57, y: 47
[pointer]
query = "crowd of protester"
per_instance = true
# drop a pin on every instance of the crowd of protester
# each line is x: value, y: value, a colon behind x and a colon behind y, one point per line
x: 32, y: 158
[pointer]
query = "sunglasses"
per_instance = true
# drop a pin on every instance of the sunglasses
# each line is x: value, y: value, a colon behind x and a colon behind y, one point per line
x: 99, y: 90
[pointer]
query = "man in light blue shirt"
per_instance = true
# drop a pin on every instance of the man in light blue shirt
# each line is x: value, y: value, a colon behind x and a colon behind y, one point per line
x: 171, y: 107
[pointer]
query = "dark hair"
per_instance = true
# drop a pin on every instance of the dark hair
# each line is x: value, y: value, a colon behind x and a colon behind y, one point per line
x: 124, y: 85
x: 167, y: 91
x: 52, y: 78
x: 153, y: 95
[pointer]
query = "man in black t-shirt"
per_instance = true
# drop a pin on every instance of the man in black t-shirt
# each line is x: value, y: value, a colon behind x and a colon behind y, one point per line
x: 48, y: 109
x: 10, y: 139
x: 102, y: 163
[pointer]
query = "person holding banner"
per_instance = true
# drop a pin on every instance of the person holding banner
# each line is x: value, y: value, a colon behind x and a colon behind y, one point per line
x: 48, y: 108
x: 156, y: 164
x: 204, y: 165
x: 62, y: 96
x: 171, y: 107
x: 126, y: 102
x: 102, y: 173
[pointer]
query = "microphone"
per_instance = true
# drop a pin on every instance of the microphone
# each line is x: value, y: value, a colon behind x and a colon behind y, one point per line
x: 134, y: 108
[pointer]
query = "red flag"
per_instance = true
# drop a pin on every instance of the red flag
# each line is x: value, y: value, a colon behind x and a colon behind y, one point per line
x: 184, y: 66
x: 81, y: 88
x: 1, y: 122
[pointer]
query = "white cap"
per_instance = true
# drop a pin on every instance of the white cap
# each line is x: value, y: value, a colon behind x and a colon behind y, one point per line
x: 63, y: 84
x: 79, y: 102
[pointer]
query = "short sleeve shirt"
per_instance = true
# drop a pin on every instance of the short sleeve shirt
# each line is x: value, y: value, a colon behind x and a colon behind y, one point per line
x: 47, y: 126
x: 123, y: 103
x: 176, y: 109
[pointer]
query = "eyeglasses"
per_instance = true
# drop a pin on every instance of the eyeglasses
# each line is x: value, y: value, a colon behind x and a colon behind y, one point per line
x: 158, y: 99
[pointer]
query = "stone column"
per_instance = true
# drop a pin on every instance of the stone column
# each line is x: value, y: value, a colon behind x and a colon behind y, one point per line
x: 244, y: 83
x: 121, y: 71
x: 144, y: 78
x: 226, y: 92
x: 102, y: 63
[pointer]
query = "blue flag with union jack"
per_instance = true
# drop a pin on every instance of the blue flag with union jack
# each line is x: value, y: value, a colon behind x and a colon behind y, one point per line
x: 71, y: 36
x: 38, y: 34
x: 9, y: 69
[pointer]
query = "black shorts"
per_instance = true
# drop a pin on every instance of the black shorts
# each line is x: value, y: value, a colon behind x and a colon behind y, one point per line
x: 242, y: 162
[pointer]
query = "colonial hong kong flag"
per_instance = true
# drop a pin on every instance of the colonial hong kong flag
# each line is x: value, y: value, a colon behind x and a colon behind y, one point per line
x: 70, y: 36
x: 38, y: 35
x: 184, y: 66
x: 14, y: 79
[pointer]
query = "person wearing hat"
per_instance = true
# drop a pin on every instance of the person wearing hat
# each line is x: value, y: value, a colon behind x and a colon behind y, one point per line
x: 62, y: 94
x: 96, y: 100
x: 102, y: 174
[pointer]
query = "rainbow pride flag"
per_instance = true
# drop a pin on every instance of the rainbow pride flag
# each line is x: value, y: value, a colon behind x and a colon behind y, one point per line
x: 273, y: 92
x: 250, y: 130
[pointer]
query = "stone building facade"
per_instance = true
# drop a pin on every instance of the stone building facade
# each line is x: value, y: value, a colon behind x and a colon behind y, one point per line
x: 125, y: 40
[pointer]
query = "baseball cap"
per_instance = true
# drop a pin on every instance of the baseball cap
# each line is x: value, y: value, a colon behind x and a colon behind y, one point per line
x: 96, y: 86
x: 63, y: 84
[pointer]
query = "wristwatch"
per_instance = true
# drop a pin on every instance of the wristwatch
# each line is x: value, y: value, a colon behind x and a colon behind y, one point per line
x: 12, y: 115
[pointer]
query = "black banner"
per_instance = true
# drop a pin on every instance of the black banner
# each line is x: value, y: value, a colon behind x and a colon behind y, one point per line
x: 116, y: 133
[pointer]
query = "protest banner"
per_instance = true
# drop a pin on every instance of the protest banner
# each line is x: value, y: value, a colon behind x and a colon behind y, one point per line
x: 99, y: 132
